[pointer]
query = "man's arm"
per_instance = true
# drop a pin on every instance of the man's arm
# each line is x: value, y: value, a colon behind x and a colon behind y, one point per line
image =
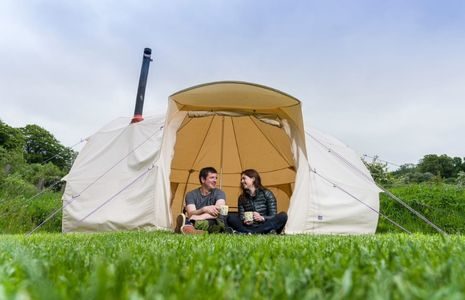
x: 206, y: 212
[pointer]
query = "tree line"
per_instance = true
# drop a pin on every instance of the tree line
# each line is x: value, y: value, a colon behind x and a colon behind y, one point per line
x: 430, y: 168
x: 31, y: 159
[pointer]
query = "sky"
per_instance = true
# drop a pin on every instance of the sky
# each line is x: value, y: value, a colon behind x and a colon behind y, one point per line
x: 385, y: 77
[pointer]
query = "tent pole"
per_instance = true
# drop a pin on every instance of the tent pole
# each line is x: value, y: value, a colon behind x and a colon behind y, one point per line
x: 222, y: 152
x: 185, y: 189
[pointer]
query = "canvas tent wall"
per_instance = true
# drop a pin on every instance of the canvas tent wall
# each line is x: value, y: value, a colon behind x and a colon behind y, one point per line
x: 132, y: 176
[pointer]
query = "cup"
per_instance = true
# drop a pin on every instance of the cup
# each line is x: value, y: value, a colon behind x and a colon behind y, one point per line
x: 248, y: 216
x: 224, y: 210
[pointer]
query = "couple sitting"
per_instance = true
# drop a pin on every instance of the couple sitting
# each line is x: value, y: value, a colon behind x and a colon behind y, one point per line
x: 203, y: 208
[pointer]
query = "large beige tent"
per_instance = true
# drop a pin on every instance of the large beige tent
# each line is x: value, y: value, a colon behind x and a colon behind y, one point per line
x: 135, y: 176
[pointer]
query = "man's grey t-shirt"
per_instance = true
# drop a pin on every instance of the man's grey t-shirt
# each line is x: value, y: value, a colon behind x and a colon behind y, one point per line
x: 196, y: 198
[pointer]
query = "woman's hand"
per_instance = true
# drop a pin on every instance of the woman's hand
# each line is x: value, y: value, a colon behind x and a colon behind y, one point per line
x: 258, y: 217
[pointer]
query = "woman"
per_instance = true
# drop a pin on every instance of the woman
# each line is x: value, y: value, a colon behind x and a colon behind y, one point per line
x: 260, y: 203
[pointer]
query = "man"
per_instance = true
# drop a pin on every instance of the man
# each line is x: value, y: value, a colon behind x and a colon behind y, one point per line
x: 203, y: 206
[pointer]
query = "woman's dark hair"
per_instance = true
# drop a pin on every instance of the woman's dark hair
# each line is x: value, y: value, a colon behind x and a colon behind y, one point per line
x: 257, y: 182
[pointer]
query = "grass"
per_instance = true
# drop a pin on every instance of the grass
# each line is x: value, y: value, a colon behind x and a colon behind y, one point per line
x: 21, y: 214
x: 442, y: 204
x: 158, y: 265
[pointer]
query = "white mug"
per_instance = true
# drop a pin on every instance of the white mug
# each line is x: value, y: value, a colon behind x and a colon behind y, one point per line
x: 224, y: 210
x: 248, y: 216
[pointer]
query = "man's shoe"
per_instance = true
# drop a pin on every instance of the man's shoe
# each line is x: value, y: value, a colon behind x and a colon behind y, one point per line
x: 189, y: 229
x: 180, y: 222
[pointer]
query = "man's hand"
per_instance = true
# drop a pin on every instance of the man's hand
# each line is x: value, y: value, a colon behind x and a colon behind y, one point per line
x: 211, y: 210
x: 258, y: 217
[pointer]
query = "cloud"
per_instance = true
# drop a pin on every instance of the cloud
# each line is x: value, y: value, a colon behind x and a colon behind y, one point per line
x: 386, y: 78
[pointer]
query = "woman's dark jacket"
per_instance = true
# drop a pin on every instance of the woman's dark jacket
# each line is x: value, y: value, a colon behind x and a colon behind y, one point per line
x: 263, y: 202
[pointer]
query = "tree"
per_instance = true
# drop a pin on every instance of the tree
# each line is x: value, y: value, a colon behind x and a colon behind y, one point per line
x: 11, y: 149
x: 42, y: 147
x: 10, y: 138
x: 442, y: 166
x: 458, y: 165
x: 43, y: 175
x: 404, y: 170
x: 379, y: 172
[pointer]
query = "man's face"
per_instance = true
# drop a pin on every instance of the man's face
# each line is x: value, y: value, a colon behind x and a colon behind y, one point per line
x: 209, y: 182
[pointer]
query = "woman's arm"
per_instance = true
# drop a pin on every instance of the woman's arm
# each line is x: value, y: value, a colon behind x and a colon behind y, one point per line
x: 270, y: 204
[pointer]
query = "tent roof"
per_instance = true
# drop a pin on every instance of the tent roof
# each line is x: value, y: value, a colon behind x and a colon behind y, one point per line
x: 232, y: 95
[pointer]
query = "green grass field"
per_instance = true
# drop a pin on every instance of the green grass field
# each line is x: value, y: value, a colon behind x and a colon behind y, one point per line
x: 443, y: 204
x: 158, y: 265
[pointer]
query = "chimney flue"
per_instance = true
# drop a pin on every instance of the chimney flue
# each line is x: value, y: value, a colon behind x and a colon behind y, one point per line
x: 142, y: 84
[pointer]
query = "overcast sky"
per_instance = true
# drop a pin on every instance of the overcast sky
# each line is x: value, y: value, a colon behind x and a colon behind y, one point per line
x: 385, y: 77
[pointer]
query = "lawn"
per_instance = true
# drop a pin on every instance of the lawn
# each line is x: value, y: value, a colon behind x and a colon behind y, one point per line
x: 160, y: 265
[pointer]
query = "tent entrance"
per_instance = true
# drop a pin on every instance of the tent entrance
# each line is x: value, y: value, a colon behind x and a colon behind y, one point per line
x: 231, y: 143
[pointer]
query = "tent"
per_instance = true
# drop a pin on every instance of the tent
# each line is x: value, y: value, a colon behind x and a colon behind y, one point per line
x: 135, y: 176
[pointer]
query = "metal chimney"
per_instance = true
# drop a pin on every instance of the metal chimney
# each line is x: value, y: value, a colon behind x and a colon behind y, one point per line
x: 144, y: 72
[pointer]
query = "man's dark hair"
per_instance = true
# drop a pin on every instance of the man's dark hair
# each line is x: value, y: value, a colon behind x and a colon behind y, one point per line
x: 205, y: 171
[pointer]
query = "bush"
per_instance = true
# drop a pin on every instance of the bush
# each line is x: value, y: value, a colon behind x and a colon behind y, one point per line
x: 460, y: 181
x: 14, y: 186
x: 442, y: 204
x: 21, y: 215
x: 379, y: 172
x: 43, y: 176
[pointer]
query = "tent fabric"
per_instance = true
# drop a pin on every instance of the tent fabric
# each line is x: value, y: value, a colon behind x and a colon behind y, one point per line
x: 335, y: 175
x: 112, y: 158
x: 231, y: 126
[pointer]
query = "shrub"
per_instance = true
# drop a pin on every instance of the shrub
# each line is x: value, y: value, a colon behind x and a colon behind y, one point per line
x: 442, y: 204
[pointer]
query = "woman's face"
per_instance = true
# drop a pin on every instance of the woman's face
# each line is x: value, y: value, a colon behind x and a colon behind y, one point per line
x: 247, y: 182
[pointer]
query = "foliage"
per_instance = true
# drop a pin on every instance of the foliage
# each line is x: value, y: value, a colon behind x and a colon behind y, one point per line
x: 408, y: 173
x: 418, y: 177
x: 10, y: 162
x: 404, y: 170
x: 31, y: 156
x: 41, y: 147
x: 22, y: 212
x: 443, y: 166
x: 379, y: 172
x: 43, y: 176
x: 159, y: 265
x: 22, y: 207
x: 461, y: 179
x: 11, y: 138
x: 443, y: 204
x: 431, y: 168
